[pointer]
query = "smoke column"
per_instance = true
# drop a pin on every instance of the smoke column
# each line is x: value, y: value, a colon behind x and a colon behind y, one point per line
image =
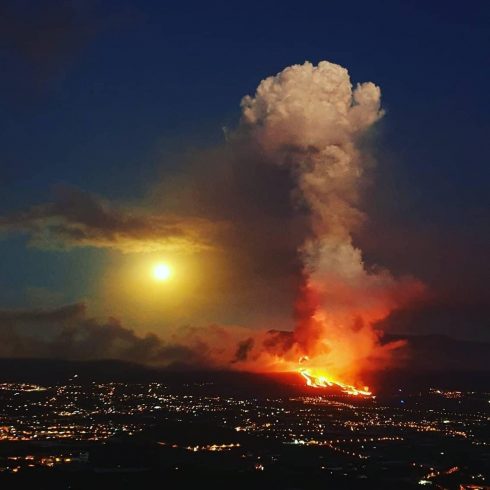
x: 310, y: 119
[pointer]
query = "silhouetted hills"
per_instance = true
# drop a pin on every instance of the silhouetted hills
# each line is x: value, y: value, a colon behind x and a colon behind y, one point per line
x: 430, y: 360
x: 37, y: 370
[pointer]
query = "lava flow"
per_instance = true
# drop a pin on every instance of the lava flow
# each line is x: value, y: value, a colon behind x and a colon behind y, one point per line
x: 321, y: 381
x: 315, y: 379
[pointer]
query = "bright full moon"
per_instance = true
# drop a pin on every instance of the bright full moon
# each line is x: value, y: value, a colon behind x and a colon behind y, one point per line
x: 162, y: 272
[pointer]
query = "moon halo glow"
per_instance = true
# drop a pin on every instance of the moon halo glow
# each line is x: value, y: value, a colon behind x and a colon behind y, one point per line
x: 162, y: 272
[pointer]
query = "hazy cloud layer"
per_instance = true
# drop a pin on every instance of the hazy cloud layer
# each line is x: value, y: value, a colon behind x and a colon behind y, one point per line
x: 457, y: 316
x: 79, y: 219
x: 68, y: 333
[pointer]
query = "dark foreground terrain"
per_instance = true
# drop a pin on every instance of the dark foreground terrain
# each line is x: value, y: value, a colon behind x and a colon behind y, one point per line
x: 113, y: 425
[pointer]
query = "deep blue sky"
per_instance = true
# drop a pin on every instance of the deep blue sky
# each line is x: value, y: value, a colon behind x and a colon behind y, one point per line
x: 105, y: 95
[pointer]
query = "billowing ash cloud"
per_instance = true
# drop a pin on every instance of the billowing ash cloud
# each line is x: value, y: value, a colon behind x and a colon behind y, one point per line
x: 78, y: 219
x: 289, y: 183
x: 310, y: 120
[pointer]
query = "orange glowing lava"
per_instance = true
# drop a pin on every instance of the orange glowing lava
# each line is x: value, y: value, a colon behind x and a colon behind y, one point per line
x: 321, y: 381
x: 316, y: 379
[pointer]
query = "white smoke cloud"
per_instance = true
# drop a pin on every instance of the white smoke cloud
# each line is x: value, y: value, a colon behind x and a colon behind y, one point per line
x: 310, y: 119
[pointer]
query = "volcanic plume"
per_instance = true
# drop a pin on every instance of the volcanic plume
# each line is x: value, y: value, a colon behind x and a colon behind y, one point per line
x: 311, y: 120
x: 305, y: 129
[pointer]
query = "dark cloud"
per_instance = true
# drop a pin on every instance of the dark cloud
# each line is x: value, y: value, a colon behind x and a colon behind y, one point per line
x: 458, y: 317
x: 47, y: 35
x: 64, y: 313
x: 68, y: 333
x: 78, y: 219
x: 278, y: 341
x: 449, y: 258
x: 451, y: 261
x: 425, y: 353
x: 244, y: 347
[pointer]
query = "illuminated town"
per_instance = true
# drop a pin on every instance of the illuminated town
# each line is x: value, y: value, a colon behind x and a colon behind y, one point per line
x: 437, y: 438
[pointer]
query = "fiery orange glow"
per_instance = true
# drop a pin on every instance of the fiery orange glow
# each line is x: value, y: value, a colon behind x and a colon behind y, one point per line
x: 335, y: 343
x: 310, y: 119
x: 317, y: 379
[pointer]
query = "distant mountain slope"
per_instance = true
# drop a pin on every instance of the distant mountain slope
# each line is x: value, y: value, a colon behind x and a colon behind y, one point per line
x: 428, y: 361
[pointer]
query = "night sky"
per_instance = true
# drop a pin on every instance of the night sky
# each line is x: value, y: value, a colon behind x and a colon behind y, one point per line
x: 119, y: 109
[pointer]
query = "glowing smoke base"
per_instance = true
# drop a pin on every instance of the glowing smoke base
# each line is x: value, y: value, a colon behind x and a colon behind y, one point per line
x: 310, y: 119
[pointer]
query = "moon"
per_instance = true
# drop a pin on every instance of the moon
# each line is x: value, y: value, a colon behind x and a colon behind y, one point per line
x: 162, y: 272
